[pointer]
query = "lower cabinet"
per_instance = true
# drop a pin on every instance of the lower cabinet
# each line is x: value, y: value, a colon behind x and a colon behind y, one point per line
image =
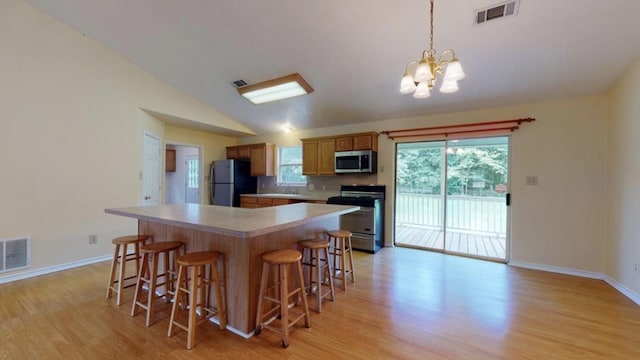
x: 248, y: 202
x: 253, y: 202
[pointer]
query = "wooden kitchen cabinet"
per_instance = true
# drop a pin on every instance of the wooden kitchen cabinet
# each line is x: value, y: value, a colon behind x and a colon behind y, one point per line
x: 170, y: 160
x: 318, y: 156
x: 261, y: 201
x: 239, y: 152
x: 344, y: 143
x: 361, y: 141
x: 262, y: 159
x: 366, y: 141
x: 248, y: 202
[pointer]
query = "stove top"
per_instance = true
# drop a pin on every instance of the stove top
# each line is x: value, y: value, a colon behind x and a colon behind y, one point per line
x: 366, y: 201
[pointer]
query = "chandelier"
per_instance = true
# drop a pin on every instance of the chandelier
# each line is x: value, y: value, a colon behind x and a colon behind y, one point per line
x: 426, y: 71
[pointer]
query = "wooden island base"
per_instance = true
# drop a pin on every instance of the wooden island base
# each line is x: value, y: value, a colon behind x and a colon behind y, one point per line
x: 241, y: 249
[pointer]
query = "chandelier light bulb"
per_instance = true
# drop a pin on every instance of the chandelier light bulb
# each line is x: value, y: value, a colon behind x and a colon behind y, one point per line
x: 407, y: 85
x: 449, y: 86
x: 454, y: 71
x: 423, y: 71
x: 422, y: 91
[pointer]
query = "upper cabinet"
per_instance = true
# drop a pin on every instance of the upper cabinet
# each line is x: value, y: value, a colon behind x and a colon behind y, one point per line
x: 318, y: 156
x: 170, y: 160
x: 262, y: 157
x: 239, y: 152
x: 360, y: 141
x: 262, y: 160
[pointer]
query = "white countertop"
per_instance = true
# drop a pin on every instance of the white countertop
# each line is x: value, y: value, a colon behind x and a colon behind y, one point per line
x: 305, y: 197
x: 231, y: 221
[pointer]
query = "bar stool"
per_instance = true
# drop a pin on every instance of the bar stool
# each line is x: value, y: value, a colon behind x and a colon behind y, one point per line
x: 282, y: 260
x: 149, y: 275
x: 323, y: 274
x: 341, y: 243
x: 199, y: 282
x: 120, y: 261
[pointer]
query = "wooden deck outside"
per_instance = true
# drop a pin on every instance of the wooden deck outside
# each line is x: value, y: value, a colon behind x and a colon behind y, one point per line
x: 474, y: 244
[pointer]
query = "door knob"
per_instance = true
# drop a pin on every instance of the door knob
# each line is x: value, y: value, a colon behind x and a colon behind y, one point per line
x: 147, y: 197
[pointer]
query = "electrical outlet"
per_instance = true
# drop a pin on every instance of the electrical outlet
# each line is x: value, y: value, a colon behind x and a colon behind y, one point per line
x: 311, y: 187
x: 93, y: 239
x: 531, y: 180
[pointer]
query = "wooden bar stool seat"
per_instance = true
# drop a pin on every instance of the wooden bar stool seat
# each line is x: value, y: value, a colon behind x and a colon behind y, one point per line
x: 316, y: 253
x: 121, y: 256
x: 277, y: 294
x: 202, y: 269
x: 149, y: 275
x: 341, y: 244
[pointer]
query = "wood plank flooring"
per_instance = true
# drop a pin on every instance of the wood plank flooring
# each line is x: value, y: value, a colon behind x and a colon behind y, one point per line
x: 406, y: 304
x: 474, y: 244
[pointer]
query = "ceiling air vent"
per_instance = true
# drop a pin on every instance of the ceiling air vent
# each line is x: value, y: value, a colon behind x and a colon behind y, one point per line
x: 497, y: 11
x: 239, y: 83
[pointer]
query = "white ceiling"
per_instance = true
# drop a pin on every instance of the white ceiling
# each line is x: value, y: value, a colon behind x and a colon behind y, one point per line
x: 354, y: 52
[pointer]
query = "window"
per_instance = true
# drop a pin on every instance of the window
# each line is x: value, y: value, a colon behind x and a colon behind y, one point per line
x: 192, y: 173
x: 290, y: 166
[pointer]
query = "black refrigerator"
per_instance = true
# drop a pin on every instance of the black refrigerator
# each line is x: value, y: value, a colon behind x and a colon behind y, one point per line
x: 228, y: 179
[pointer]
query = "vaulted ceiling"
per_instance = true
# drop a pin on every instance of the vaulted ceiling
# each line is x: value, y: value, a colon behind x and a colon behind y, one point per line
x: 354, y: 52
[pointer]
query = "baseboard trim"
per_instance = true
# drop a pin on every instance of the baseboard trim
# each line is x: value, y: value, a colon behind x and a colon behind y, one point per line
x: 623, y: 289
x: 635, y: 297
x: 557, y: 269
x: 52, y: 269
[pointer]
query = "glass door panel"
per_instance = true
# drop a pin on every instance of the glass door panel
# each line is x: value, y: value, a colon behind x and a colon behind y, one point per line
x: 419, y: 219
x: 477, y: 183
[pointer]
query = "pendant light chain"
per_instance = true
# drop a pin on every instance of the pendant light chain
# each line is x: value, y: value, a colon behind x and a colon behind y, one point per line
x: 431, y: 34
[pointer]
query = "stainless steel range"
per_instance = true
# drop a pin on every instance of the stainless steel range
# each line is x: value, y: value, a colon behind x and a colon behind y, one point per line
x: 367, y: 224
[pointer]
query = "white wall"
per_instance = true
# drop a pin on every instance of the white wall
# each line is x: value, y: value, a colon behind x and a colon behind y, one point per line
x: 623, y: 242
x: 559, y: 224
x: 71, y: 135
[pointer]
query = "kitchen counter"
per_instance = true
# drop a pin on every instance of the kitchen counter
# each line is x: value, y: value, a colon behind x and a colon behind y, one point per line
x: 302, y: 197
x: 236, y: 222
x: 242, y: 236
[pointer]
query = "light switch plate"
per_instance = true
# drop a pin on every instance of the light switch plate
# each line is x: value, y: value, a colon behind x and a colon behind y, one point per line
x: 531, y: 180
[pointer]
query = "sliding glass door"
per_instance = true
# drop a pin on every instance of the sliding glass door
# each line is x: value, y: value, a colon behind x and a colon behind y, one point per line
x: 451, y: 196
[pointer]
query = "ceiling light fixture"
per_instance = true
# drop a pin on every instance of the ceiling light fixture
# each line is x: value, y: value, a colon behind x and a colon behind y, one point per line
x: 287, y: 128
x: 276, y: 89
x: 425, y: 73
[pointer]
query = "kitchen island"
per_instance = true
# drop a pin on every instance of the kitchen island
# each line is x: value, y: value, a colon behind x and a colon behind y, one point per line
x: 242, y: 235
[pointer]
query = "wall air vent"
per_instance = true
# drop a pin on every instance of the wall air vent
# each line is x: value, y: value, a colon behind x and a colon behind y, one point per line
x: 15, y: 254
x: 497, y: 11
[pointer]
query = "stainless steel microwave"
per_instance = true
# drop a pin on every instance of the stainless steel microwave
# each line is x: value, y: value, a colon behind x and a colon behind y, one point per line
x: 365, y: 161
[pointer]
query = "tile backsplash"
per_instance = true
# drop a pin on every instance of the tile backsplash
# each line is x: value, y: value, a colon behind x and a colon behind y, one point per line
x: 315, y: 184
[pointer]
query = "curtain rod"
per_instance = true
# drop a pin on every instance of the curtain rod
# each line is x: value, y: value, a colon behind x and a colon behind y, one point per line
x: 426, y: 129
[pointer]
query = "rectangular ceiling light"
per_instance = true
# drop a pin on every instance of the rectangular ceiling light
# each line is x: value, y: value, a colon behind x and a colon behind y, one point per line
x: 276, y: 89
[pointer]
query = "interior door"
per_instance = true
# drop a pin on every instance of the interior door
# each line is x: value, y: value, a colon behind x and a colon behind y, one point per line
x: 192, y: 179
x: 151, y: 170
x: 451, y: 196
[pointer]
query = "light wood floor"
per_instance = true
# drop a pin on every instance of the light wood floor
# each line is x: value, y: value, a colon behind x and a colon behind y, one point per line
x: 460, y: 242
x: 407, y: 304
